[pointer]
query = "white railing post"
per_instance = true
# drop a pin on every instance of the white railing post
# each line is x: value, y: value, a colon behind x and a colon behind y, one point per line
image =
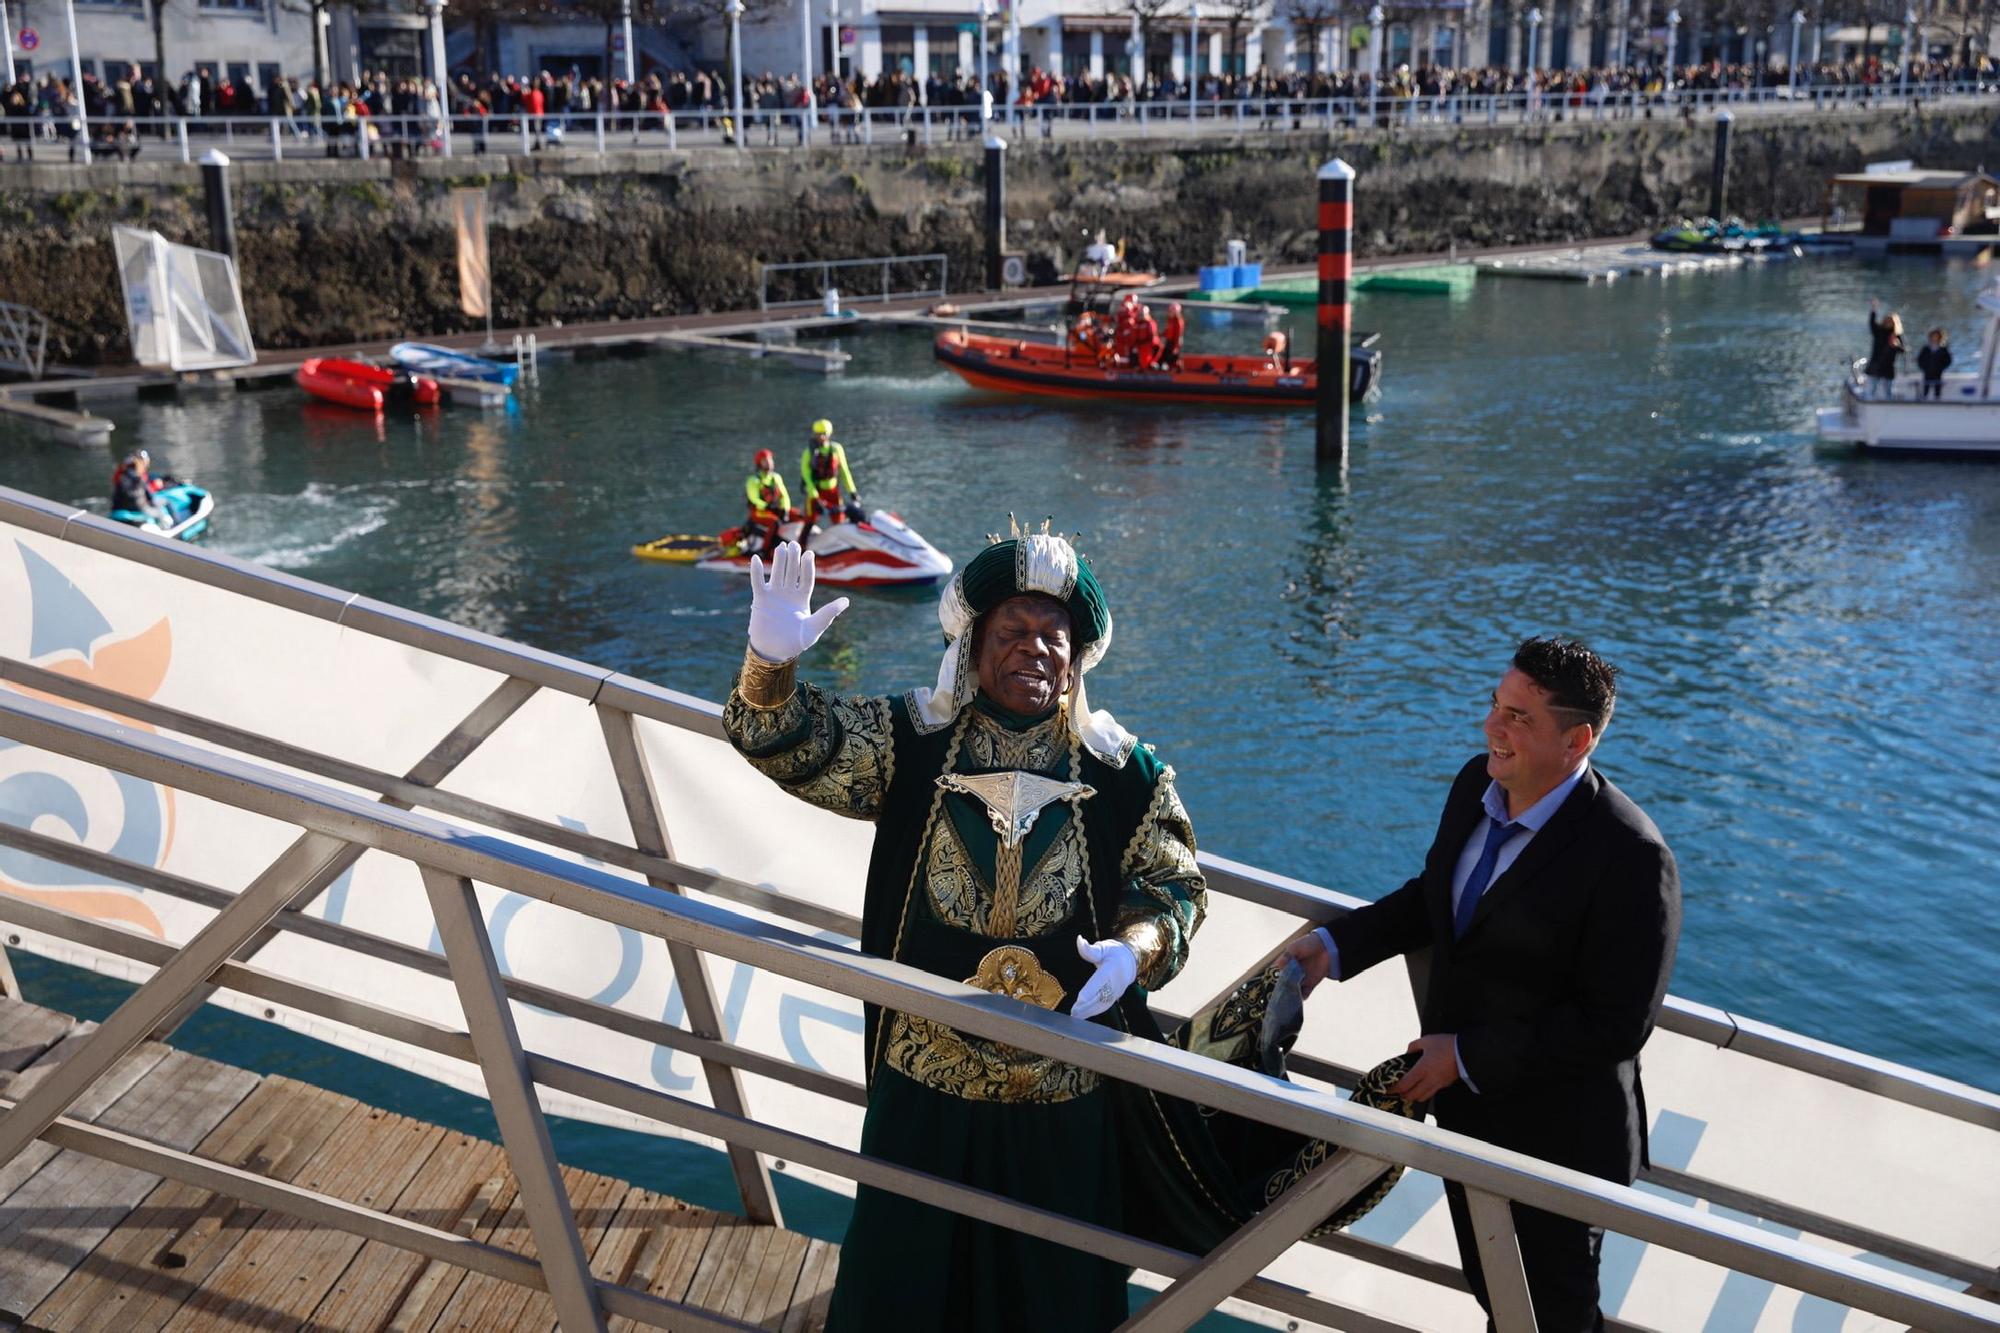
x: 277, y: 146
x: 600, y: 129
x: 1500, y: 1262
x: 524, y: 1132
x: 181, y: 133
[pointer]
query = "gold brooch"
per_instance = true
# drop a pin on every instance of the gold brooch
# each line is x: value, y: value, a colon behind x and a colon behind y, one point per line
x: 1016, y: 973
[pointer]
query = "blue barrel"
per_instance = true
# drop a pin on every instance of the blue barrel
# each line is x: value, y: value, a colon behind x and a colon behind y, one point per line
x: 1248, y: 275
x: 1216, y: 278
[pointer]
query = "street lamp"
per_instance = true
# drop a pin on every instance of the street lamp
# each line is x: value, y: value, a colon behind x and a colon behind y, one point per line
x: 1375, y: 17
x: 1135, y: 58
x: 1014, y: 50
x: 735, y: 11
x: 985, y: 91
x: 438, y: 72
x: 1798, y: 22
x: 6, y: 44
x: 625, y: 17
x: 1673, y: 46
x: 81, y: 112
x: 1909, y: 43
x: 807, y: 104
x: 1534, y: 38
x: 1194, y: 38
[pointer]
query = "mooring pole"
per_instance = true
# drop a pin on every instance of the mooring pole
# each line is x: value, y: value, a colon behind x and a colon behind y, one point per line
x: 1336, y: 313
x: 996, y: 208
x: 1718, y: 181
x: 221, y: 217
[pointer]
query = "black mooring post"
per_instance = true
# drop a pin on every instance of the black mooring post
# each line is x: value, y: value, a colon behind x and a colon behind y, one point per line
x: 1718, y: 181
x: 1336, y: 311
x: 221, y: 217
x: 996, y: 208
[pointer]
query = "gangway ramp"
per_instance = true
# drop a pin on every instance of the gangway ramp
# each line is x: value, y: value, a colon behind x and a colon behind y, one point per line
x: 552, y: 884
x: 87, y: 1242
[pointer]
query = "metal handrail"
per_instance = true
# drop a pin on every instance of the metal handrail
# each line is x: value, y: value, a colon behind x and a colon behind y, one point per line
x: 605, y: 130
x: 24, y: 339
x: 829, y: 268
x: 596, y: 685
x: 452, y: 858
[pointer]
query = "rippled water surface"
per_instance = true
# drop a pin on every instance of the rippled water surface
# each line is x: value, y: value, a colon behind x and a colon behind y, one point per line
x: 1809, y: 636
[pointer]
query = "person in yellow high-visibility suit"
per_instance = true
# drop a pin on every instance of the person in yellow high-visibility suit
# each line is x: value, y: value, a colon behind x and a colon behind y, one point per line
x: 829, y: 484
x: 770, y: 502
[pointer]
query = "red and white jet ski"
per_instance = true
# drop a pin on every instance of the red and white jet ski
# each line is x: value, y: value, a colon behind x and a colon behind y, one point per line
x: 883, y: 551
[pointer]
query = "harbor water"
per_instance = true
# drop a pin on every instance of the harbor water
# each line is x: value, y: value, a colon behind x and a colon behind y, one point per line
x: 1810, y: 636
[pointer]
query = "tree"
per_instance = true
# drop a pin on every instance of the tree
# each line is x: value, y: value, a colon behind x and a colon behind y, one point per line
x: 1310, y: 18
x: 1235, y: 16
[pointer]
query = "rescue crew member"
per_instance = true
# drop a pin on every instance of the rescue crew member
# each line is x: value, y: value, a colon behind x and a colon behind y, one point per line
x: 1171, y: 337
x: 770, y: 502
x: 823, y: 466
x: 1278, y: 352
x: 1126, y: 338
x: 132, y: 487
x: 1145, y: 339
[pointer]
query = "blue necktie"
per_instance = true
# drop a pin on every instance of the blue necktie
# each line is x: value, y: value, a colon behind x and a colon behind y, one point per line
x: 1482, y: 873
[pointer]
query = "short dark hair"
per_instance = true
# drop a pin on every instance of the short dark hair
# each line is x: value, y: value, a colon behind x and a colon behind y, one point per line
x: 1578, y: 681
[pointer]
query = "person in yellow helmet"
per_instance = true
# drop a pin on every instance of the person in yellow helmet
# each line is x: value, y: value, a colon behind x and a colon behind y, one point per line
x: 770, y: 502
x: 829, y: 485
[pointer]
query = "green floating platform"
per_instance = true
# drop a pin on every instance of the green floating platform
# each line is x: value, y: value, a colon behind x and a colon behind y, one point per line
x: 1424, y: 280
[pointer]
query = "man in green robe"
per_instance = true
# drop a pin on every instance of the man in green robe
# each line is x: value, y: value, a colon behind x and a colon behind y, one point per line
x: 1025, y: 844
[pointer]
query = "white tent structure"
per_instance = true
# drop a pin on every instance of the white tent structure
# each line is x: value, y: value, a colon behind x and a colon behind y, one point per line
x: 183, y: 306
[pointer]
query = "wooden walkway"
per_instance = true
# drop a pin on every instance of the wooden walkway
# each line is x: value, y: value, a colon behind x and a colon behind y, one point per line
x: 85, y: 1244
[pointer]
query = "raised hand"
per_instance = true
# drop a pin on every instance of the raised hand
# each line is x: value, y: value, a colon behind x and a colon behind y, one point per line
x: 782, y: 622
x: 1117, y: 969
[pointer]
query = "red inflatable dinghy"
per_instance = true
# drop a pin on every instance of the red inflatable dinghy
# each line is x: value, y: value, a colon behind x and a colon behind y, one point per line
x: 370, y: 388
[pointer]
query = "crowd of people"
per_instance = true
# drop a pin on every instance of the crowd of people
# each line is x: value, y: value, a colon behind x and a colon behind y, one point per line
x: 407, y: 115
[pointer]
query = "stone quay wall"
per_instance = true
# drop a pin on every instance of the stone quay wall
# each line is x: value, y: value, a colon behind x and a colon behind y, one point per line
x: 344, y: 251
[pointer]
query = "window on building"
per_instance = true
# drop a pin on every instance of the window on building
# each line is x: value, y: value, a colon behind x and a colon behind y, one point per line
x: 255, y: 6
x: 238, y: 72
x: 267, y: 74
x: 398, y: 52
x: 943, y: 53
x: 899, y: 49
x: 1076, y: 54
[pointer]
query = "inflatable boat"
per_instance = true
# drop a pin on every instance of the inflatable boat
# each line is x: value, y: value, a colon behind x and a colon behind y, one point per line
x: 445, y: 364
x: 186, y: 509
x: 1014, y: 365
x: 882, y: 552
x: 369, y: 388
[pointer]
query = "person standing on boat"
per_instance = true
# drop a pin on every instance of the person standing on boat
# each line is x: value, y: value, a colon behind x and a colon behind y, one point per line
x: 1885, y: 345
x: 1171, y: 336
x: 829, y: 484
x: 1088, y: 899
x: 770, y: 502
x: 1551, y: 909
x: 1933, y: 359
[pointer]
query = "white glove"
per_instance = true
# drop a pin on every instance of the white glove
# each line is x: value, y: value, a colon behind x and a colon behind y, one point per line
x: 1117, y: 969
x: 782, y: 622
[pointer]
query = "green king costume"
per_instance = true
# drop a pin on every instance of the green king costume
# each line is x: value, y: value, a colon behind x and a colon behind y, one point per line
x: 1000, y: 840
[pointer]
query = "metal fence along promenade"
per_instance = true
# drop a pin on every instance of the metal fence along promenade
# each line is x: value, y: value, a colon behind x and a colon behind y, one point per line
x: 299, y: 136
x: 339, y: 810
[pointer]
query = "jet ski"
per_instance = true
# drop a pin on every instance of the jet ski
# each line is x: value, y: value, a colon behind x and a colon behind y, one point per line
x: 185, y: 508
x: 880, y: 551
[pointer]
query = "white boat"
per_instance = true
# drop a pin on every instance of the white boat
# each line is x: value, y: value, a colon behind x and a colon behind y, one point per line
x: 446, y: 363
x: 1964, y: 419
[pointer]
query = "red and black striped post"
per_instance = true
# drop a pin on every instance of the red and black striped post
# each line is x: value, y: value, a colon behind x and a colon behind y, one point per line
x: 1336, y: 310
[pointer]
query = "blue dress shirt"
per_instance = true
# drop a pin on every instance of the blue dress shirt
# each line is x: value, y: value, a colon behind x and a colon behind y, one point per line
x: 1531, y: 821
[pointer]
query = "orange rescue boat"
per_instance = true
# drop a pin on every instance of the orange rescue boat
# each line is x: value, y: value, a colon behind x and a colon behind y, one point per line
x: 1015, y: 365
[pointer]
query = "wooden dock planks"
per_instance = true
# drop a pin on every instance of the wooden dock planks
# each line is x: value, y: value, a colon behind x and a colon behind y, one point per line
x: 86, y: 1244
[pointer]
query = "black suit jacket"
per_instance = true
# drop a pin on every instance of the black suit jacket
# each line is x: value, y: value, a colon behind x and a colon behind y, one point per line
x: 1557, y: 982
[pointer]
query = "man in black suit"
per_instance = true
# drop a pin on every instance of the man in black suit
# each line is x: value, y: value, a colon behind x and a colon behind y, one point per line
x: 1551, y: 909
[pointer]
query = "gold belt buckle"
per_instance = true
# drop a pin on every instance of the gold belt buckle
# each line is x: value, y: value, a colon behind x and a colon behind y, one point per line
x: 1016, y: 973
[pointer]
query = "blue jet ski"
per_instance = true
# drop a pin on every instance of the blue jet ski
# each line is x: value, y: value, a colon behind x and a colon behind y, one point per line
x: 186, y: 508
x: 444, y: 363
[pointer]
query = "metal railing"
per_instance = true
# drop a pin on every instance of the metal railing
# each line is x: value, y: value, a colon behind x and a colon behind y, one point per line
x: 283, y: 137
x: 841, y: 275
x: 280, y: 781
x: 24, y: 339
